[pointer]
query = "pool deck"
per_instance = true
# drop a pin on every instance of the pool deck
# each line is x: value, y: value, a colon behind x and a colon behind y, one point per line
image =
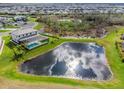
x: 38, y: 44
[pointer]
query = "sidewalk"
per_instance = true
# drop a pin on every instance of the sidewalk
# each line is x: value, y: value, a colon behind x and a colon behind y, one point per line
x: 1, y: 49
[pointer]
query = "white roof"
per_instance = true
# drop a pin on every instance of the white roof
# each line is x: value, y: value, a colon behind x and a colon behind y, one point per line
x: 23, y: 31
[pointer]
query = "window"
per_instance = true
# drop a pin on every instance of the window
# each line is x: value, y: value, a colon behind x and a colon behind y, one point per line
x: 27, y: 34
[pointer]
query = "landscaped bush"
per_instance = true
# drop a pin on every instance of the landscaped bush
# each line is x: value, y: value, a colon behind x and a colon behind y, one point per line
x: 123, y: 60
x: 121, y: 52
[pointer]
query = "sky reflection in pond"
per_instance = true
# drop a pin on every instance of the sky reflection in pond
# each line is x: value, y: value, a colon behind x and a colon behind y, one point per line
x: 71, y: 60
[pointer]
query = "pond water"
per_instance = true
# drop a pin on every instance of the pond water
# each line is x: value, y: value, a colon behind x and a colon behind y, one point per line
x: 71, y: 60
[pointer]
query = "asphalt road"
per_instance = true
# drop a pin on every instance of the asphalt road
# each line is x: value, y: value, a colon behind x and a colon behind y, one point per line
x: 28, y: 25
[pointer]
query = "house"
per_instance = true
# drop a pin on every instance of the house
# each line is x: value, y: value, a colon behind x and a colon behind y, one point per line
x: 20, y: 18
x: 29, y: 38
x: 3, y: 19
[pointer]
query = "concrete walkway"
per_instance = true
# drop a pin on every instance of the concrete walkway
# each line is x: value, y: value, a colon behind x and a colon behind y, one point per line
x: 2, y: 47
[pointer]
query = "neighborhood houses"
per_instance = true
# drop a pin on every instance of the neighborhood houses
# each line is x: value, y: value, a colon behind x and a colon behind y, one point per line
x: 12, y: 21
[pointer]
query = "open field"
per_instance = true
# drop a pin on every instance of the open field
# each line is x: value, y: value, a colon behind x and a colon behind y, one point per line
x: 10, y: 69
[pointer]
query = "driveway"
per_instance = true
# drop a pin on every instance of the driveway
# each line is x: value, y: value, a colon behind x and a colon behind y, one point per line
x: 28, y: 25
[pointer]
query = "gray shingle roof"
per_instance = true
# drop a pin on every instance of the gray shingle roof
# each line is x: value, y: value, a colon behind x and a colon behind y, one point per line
x: 33, y: 38
x: 23, y: 31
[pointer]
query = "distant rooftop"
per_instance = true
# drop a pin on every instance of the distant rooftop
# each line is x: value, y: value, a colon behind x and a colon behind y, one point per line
x: 23, y: 31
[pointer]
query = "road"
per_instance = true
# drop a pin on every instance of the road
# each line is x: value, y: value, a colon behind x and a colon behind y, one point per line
x: 6, y: 33
x: 28, y: 25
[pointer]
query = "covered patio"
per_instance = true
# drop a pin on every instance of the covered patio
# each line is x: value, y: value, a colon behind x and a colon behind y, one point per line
x: 34, y: 41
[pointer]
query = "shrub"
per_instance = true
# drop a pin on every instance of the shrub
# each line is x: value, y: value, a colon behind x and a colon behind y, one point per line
x: 123, y: 60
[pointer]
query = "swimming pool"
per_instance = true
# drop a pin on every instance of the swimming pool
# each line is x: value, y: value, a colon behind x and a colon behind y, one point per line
x: 32, y: 45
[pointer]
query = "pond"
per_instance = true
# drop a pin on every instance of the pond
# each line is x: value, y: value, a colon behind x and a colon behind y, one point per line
x: 71, y: 60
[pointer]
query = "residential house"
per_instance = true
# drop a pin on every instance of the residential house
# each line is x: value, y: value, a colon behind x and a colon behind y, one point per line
x: 29, y: 38
x: 20, y: 18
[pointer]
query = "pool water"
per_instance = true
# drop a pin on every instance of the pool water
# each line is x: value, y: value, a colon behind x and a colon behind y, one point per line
x: 71, y: 60
x: 33, y: 45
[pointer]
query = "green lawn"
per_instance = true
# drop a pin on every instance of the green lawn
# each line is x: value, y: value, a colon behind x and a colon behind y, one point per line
x: 31, y: 19
x: 9, y: 69
x: 11, y: 26
x: 38, y: 26
x: 4, y: 30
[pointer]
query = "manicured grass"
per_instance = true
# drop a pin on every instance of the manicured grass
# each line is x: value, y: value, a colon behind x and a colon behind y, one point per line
x: 11, y: 26
x: 10, y: 69
x: 38, y: 26
x: 31, y: 19
x: 4, y: 30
